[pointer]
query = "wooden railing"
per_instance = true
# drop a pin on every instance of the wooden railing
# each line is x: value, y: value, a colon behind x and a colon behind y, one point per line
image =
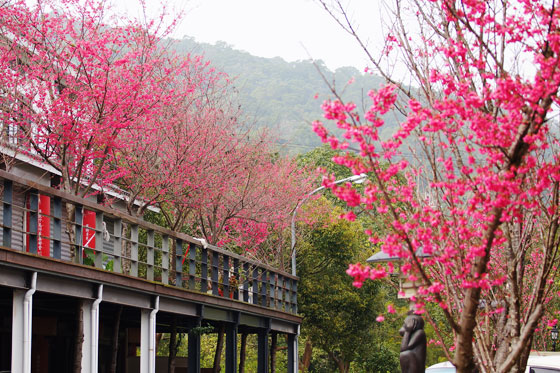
x: 48, y: 222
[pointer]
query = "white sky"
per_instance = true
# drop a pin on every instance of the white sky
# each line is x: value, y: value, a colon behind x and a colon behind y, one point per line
x: 291, y: 29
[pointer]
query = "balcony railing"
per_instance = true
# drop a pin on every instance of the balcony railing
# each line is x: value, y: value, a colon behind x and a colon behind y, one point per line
x: 50, y: 223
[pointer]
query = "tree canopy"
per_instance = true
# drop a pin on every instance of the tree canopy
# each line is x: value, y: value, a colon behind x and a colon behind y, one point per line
x: 479, y: 152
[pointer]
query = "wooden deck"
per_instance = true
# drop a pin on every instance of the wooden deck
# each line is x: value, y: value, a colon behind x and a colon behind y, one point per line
x: 110, y: 259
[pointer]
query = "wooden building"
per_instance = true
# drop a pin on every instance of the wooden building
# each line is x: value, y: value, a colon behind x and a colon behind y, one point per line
x: 115, y: 277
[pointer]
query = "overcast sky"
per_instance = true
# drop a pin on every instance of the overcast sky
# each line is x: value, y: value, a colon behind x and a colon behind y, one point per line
x: 291, y: 29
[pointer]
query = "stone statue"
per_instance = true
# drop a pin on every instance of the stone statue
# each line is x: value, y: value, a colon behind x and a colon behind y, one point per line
x: 413, y: 345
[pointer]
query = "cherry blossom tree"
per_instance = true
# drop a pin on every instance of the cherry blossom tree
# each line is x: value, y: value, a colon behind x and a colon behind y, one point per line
x: 161, y: 162
x: 471, y: 175
x: 72, y: 82
x: 252, y: 201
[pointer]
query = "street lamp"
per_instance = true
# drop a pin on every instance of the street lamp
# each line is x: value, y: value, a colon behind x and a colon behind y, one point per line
x: 554, y: 337
x: 356, y: 179
x: 413, y: 355
x: 407, y: 288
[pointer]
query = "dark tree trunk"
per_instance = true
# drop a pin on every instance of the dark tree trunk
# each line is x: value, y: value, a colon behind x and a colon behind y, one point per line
x: 273, y: 349
x: 115, y: 340
x: 219, y: 348
x: 243, y: 352
x: 78, y: 342
x: 126, y: 250
x: 172, y: 346
x: 306, y: 360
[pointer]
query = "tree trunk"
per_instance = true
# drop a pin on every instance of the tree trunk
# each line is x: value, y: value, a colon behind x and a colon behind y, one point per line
x: 242, y: 352
x: 125, y: 250
x: 219, y: 348
x: 78, y: 342
x: 306, y: 360
x: 273, y: 348
x: 115, y: 340
x: 172, y: 346
x: 342, y: 365
x: 172, y: 268
x: 70, y: 215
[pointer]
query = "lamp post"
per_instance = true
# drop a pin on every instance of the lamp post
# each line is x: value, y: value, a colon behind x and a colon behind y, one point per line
x: 357, y: 179
x: 406, y: 287
x: 413, y: 355
x: 554, y: 337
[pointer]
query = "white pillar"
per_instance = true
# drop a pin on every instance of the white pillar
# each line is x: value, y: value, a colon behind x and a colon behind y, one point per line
x: 296, y: 350
x: 87, y: 340
x: 145, y: 341
x: 22, y: 317
x: 17, y: 331
x: 148, y: 339
x: 95, y: 330
x: 90, y: 345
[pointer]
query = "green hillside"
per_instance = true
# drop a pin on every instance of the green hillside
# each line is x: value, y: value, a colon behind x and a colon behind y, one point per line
x: 279, y: 94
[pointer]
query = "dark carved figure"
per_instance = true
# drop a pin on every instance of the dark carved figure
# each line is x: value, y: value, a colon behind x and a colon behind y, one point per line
x: 413, y: 345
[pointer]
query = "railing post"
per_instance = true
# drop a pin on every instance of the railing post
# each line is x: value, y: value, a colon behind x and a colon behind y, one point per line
x: 33, y: 228
x: 272, y: 289
x: 215, y: 273
x: 7, y: 213
x: 165, y: 259
x: 78, y: 229
x: 150, y: 256
x: 192, y: 266
x: 204, y: 270
x: 98, y: 261
x: 255, y: 285
x: 281, y: 303
x: 134, y: 250
x: 179, y: 262
x: 225, y: 276
x: 237, y: 278
x: 57, y: 227
x: 294, y: 296
x: 117, y: 245
x: 264, y: 287
x: 245, y: 282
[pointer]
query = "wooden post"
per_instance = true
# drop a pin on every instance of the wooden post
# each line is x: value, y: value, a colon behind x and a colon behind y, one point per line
x: 165, y: 259
x: 7, y: 214
x: 57, y: 228
x: 117, y: 245
x: 179, y: 263
x: 134, y: 250
x: 78, y: 221
x: 150, y: 256
x: 33, y: 222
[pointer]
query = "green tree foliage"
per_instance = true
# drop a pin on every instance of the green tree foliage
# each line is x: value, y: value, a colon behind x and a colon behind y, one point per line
x: 284, y: 96
x: 339, y: 319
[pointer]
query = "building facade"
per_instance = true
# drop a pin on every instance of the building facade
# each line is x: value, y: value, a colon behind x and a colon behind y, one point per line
x: 88, y: 288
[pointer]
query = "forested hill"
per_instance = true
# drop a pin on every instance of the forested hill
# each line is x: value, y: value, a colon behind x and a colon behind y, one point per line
x: 280, y: 94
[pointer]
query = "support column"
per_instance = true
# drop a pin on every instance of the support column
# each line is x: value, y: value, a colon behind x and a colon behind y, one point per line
x: 292, y: 353
x: 263, y: 352
x: 22, y: 317
x: 90, y: 345
x: 148, y: 339
x: 194, y: 353
x: 144, y: 340
x: 17, y: 330
x: 87, y: 342
x: 231, y: 348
